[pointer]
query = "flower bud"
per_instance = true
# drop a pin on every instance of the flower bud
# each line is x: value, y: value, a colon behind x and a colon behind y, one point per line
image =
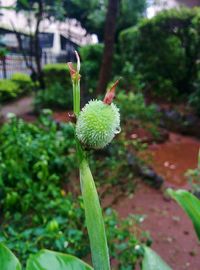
x: 97, y: 124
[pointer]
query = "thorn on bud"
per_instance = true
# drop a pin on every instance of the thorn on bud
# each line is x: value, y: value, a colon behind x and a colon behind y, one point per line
x: 108, y: 99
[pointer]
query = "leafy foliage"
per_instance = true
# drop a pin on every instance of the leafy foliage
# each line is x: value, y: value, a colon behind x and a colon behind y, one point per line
x: 8, y: 90
x: 190, y: 204
x: 91, y: 56
x: 164, y: 51
x: 46, y: 259
x: 8, y: 260
x: 58, y: 92
x: 23, y: 81
x: 16, y: 86
x: 152, y: 261
x: 193, y: 176
x: 92, y: 14
x: 37, y: 162
x: 29, y: 152
x: 133, y: 108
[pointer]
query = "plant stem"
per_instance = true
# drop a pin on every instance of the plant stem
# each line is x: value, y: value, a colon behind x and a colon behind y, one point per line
x: 93, y: 212
x: 94, y: 219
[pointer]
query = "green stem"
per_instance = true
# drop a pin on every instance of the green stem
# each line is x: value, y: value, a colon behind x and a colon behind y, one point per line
x: 94, y: 219
x: 76, y: 96
x: 93, y: 212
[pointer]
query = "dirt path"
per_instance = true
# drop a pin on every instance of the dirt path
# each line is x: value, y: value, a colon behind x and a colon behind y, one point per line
x: 172, y: 231
x: 19, y: 107
x: 174, y: 157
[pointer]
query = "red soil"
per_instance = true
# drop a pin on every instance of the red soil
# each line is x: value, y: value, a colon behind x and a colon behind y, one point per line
x: 173, y: 235
x: 174, y: 157
x: 172, y: 231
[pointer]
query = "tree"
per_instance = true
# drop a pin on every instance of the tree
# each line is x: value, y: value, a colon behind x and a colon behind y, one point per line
x: 120, y: 15
x: 36, y: 11
x: 92, y: 14
x: 109, y: 39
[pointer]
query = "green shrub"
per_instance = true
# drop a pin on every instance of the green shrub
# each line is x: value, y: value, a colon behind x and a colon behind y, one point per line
x: 8, y: 90
x: 91, y: 57
x: 164, y: 51
x: 57, y: 73
x: 36, y: 163
x: 133, y: 106
x: 28, y: 153
x: 54, y: 96
x: 194, y: 98
x: 23, y: 81
x: 58, y: 90
x: 16, y: 86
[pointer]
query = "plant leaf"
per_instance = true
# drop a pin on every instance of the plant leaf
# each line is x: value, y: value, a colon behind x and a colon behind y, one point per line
x: 50, y: 260
x: 8, y: 260
x: 152, y: 261
x: 190, y: 204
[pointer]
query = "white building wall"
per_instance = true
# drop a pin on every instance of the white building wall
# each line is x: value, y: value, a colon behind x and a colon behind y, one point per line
x: 70, y: 28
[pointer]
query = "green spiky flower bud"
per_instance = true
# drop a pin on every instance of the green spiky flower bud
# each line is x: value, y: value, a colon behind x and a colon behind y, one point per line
x: 97, y: 124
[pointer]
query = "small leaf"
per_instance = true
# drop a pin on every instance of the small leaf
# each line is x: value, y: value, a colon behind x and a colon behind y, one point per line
x: 50, y: 260
x: 190, y: 204
x: 152, y: 261
x: 110, y: 94
x: 8, y: 261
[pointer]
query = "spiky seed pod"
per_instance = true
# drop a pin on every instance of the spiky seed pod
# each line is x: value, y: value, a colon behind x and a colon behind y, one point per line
x: 97, y: 124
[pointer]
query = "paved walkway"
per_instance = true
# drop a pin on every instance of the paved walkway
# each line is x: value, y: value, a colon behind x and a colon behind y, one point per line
x: 19, y: 107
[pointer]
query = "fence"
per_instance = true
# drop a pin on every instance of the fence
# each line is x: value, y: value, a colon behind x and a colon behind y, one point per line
x: 14, y: 63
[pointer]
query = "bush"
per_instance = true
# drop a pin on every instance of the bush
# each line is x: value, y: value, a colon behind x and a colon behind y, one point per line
x: 133, y: 106
x: 58, y: 91
x: 164, y: 51
x: 23, y: 81
x: 57, y: 73
x: 91, y: 57
x: 38, y: 153
x: 18, y: 84
x: 54, y: 97
x: 36, y: 161
x: 9, y: 90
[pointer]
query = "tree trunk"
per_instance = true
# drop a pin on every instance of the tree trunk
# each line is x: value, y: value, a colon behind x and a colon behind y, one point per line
x: 109, y: 42
x: 38, y: 51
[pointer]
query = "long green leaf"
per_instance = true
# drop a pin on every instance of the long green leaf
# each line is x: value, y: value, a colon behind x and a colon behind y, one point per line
x: 190, y: 204
x: 50, y: 260
x: 94, y: 219
x: 152, y: 261
x: 8, y: 261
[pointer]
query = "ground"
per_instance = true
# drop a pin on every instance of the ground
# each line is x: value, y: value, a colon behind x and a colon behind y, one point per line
x: 173, y: 236
x: 172, y: 231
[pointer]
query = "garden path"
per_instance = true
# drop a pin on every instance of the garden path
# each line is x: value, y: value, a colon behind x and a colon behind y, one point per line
x: 20, y: 107
x: 173, y: 235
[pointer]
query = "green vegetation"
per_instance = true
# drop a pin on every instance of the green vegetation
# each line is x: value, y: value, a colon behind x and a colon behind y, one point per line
x: 15, y: 87
x: 37, y: 166
x: 190, y: 204
x: 58, y: 91
x: 164, y: 52
x: 91, y: 56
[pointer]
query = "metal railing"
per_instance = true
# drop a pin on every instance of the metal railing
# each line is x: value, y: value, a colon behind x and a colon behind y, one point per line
x: 14, y: 63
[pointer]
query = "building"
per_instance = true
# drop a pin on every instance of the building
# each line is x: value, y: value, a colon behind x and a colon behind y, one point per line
x: 56, y: 37
x: 189, y: 3
x: 58, y: 40
x: 157, y: 5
